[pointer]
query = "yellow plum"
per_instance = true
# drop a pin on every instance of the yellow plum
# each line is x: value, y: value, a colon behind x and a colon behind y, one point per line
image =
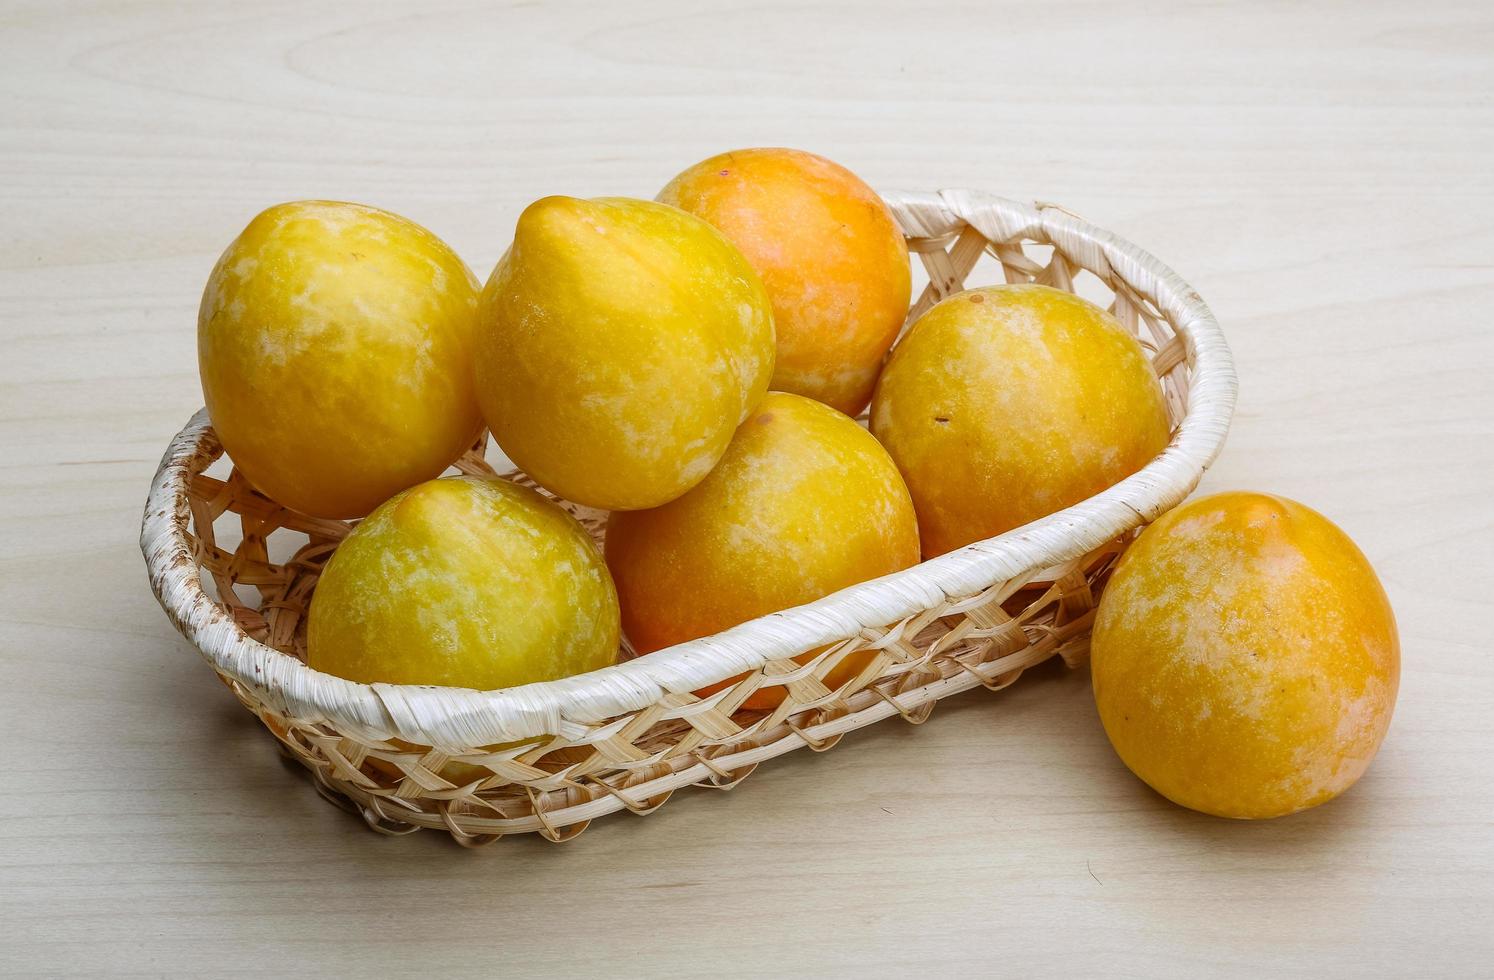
x: 466, y: 582
x: 803, y: 504
x: 621, y: 344
x: 335, y: 346
x: 1245, y: 658
x: 1007, y: 403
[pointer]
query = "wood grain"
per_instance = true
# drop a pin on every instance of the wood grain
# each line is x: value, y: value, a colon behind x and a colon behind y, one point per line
x: 1323, y: 174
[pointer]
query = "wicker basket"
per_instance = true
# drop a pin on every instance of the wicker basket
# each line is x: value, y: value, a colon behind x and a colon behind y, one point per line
x: 548, y: 758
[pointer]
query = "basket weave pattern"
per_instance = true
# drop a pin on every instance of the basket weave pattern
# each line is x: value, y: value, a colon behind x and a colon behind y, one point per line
x: 548, y: 758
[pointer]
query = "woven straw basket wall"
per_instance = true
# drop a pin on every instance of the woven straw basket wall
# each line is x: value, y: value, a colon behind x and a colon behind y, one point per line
x: 548, y: 758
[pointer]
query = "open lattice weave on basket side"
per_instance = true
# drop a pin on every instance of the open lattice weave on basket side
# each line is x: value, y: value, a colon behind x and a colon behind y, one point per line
x: 636, y: 760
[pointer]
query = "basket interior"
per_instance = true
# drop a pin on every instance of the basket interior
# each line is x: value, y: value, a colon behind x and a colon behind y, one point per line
x: 260, y: 562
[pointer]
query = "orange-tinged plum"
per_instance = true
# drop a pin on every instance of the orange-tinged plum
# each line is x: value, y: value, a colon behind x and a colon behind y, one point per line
x: 830, y: 253
x: 621, y: 343
x: 1245, y: 658
x: 466, y: 582
x: 1004, y: 404
x: 335, y: 346
x: 803, y: 504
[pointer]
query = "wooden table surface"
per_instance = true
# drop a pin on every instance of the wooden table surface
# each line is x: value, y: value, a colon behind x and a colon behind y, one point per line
x: 1324, y: 174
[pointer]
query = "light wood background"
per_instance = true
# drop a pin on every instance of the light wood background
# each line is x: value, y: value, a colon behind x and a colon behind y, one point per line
x: 1323, y: 173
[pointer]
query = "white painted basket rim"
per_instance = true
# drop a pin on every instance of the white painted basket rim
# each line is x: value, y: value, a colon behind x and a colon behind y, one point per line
x: 458, y: 718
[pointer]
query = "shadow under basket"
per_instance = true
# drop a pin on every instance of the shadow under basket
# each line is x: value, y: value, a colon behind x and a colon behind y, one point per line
x: 235, y: 573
